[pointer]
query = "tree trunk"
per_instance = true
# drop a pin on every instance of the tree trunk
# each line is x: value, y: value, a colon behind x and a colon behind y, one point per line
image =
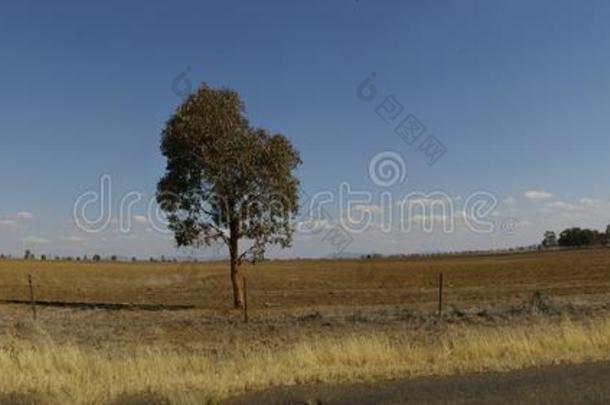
x: 238, y: 292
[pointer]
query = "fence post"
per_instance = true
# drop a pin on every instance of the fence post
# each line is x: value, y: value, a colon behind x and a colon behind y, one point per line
x: 245, y: 300
x: 440, y: 295
x: 32, y: 300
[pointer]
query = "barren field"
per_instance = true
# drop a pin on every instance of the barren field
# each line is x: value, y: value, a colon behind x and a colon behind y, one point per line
x: 166, y: 333
x: 470, y: 280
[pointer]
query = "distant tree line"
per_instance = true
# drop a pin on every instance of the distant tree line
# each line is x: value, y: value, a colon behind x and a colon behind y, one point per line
x: 30, y: 255
x: 577, y: 237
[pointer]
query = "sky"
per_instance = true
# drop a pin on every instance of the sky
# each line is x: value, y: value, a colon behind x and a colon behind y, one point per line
x: 512, y: 97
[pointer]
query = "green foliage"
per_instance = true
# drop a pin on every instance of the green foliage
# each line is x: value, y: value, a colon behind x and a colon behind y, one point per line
x: 226, y: 180
x: 576, y: 237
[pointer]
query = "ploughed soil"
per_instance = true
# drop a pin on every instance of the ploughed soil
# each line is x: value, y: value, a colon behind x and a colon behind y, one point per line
x: 190, y: 303
x: 298, y: 284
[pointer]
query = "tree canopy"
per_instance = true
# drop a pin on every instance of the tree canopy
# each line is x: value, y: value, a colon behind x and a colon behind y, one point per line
x: 226, y: 180
x: 581, y: 237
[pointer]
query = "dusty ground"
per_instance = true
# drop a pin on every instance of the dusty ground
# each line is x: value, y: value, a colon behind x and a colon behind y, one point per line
x: 300, y: 284
x: 300, y: 299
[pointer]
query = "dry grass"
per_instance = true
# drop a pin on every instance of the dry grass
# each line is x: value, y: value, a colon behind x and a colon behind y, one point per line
x: 311, y: 321
x: 54, y: 372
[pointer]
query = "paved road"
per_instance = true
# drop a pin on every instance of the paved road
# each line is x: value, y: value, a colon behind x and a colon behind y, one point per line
x: 557, y: 385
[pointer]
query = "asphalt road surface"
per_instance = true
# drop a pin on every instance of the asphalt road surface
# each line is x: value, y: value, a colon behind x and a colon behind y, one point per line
x: 557, y: 385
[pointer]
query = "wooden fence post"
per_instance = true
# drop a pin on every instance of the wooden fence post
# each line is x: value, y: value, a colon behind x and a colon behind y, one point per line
x: 32, y: 300
x: 245, y: 300
x: 440, y: 295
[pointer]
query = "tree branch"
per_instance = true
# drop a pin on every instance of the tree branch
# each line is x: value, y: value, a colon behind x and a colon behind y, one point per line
x: 219, y: 233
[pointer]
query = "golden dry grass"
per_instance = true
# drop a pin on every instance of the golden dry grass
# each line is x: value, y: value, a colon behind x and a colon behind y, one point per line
x: 57, y: 372
x: 206, y: 354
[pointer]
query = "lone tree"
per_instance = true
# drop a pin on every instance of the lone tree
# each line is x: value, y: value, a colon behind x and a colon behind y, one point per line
x: 226, y: 181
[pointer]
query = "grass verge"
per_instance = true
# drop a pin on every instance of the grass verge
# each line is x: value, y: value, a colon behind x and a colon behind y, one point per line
x: 51, y: 372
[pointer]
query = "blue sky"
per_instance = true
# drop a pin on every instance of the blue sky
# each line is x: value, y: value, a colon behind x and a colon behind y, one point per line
x: 517, y: 92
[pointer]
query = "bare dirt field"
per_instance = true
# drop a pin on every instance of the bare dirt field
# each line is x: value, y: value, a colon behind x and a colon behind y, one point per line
x: 170, y: 331
x: 471, y: 280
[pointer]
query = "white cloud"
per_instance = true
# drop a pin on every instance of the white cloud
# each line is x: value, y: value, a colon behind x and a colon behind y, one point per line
x: 24, y: 215
x: 140, y: 219
x: 313, y: 225
x: 74, y: 239
x: 592, y: 203
x: 427, y: 201
x: 35, y: 240
x: 8, y: 223
x: 538, y: 195
x: 510, y: 201
x: 562, y: 205
x: 429, y: 218
x: 371, y: 209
